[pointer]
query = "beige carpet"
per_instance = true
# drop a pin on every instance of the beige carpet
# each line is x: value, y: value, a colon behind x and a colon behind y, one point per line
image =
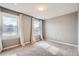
x: 42, y: 48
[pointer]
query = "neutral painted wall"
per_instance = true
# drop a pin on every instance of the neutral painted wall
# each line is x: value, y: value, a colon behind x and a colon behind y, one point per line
x: 10, y: 42
x: 62, y: 28
x: 78, y: 29
x: 0, y: 34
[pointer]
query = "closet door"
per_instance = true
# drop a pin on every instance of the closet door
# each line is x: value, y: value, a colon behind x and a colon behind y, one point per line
x: 10, y: 35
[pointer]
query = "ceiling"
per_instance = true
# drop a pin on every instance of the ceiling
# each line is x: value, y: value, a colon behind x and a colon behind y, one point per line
x: 51, y: 9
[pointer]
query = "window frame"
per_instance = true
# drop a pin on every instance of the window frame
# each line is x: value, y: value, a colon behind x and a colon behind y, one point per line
x: 35, y: 32
x: 10, y: 15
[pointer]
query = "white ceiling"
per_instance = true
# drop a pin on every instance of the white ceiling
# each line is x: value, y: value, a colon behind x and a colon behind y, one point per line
x: 52, y: 9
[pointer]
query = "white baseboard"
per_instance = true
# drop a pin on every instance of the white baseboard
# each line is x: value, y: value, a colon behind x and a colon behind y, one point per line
x: 14, y: 46
x: 26, y: 42
x: 11, y: 47
x: 64, y: 43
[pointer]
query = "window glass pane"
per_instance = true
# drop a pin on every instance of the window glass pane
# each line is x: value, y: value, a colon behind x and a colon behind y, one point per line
x: 36, y: 26
x: 9, y: 26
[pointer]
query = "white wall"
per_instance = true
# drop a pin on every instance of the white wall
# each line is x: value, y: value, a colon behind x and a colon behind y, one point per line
x: 62, y: 28
x: 0, y: 34
x: 78, y: 29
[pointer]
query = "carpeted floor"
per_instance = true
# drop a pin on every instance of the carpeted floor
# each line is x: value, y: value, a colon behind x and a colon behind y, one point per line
x: 42, y: 48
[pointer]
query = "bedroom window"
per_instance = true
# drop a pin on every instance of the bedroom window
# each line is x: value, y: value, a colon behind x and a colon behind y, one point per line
x: 9, y: 26
x: 37, y: 26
